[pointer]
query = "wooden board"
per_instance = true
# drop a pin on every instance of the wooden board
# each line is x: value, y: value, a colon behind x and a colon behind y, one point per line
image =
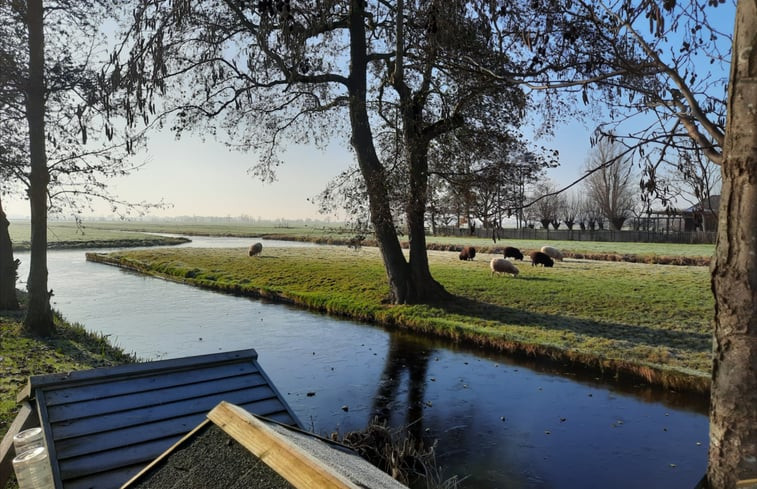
x: 298, y: 467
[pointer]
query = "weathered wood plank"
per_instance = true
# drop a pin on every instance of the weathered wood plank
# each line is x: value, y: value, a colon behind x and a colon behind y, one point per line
x: 91, y: 465
x: 133, y: 454
x: 128, y: 402
x: 298, y: 467
x: 108, y: 422
x: 77, y: 393
x: 112, y: 373
x: 109, y: 440
x: 25, y: 419
x: 105, y: 480
x: 44, y: 423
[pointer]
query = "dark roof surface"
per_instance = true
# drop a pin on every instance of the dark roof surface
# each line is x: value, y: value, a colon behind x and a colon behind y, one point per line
x: 236, y: 449
x: 210, y: 459
x: 105, y: 425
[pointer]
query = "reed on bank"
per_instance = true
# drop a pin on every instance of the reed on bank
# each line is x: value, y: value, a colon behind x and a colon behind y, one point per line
x: 641, y: 320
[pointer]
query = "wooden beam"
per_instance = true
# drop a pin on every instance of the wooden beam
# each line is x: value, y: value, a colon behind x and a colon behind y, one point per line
x: 26, y: 418
x: 301, y: 469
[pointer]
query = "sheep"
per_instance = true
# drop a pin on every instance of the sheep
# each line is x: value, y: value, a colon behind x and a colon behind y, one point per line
x: 512, y: 252
x: 356, y: 242
x: 539, y: 258
x: 500, y: 265
x: 552, y: 252
x: 468, y: 253
x: 255, y: 249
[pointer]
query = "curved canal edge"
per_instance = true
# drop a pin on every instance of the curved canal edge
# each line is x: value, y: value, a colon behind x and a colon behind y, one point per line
x: 622, y: 371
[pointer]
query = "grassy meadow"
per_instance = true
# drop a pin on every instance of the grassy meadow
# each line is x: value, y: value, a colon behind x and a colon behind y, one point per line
x: 340, y: 235
x: 650, y: 321
x: 69, y: 235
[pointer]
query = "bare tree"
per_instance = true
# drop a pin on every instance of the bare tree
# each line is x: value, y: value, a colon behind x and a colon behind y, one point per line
x: 571, y: 210
x: 610, y: 186
x: 548, y: 203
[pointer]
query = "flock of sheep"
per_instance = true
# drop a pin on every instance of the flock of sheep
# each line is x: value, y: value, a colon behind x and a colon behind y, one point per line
x: 545, y: 257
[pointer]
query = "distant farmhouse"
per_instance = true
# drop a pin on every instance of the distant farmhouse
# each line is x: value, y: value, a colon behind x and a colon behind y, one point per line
x: 702, y: 216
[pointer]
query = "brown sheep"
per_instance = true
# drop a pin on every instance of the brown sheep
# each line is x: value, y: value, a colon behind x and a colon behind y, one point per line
x: 468, y: 253
x: 255, y: 249
x: 539, y: 258
x: 356, y: 242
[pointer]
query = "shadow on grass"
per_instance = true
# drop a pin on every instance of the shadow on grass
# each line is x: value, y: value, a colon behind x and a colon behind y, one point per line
x: 638, y: 334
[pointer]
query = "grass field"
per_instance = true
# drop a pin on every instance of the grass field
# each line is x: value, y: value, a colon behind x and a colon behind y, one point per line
x: 339, y: 233
x: 650, y: 320
x: 69, y: 235
x: 232, y: 228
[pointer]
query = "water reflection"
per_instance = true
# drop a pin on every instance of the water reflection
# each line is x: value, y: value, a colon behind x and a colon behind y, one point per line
x: 405, y: 360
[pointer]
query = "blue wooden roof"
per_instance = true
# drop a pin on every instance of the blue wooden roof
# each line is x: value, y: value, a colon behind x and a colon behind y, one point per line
x: 104, y: 425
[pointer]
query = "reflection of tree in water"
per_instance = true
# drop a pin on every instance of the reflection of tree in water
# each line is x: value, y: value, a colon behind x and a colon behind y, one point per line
x: 405, y: 355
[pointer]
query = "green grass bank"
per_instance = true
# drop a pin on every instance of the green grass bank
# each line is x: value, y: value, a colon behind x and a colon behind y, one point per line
x: 634, y: 320
x: 68, y: 235
x: 22, y: 355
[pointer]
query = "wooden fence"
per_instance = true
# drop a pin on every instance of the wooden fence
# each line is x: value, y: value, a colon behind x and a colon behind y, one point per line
x: 687, y: 237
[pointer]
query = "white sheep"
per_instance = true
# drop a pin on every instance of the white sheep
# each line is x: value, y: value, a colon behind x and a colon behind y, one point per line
x: 552, y: 252
x: 255, y: 249
x: 500, y: 265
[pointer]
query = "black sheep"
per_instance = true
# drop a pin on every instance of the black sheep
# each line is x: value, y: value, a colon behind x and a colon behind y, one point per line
x: 539, y: 258
x: 512, y: 252
x: 468, y: 253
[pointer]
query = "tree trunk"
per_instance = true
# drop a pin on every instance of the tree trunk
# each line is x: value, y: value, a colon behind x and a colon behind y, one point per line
x: 425, y: 288
x: 397, y: 270
x: 733, y: 406
x: 8, y: 267
x: 39, y: 317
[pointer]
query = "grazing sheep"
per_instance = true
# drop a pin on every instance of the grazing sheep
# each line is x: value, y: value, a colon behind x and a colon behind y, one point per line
x: 468, y: 253
x: 553, y: 253
x: 255, y: 249
x: 356, y: 242
x: 512, y: 252
x: 500, y: 265
x: 539, y: 258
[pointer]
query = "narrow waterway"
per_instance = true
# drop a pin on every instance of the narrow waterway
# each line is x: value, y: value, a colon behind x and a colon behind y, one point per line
x: 500, y: 423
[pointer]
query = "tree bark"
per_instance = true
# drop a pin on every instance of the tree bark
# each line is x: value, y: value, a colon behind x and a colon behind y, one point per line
x: 733, y: 407
x: 8, y: 267
x: 397, y: 270
x: 39, y: 317
x: 425, y: 288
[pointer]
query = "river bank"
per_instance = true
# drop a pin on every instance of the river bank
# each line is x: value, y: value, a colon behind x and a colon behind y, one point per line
x: 581, y: 312
x: 70, y: 236
x: 23, y: 355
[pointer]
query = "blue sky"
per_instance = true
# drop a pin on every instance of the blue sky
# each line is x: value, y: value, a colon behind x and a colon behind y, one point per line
x: 206, y: 179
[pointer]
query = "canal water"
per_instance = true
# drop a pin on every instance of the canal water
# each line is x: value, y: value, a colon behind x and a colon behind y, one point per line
x: 498, y: 423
